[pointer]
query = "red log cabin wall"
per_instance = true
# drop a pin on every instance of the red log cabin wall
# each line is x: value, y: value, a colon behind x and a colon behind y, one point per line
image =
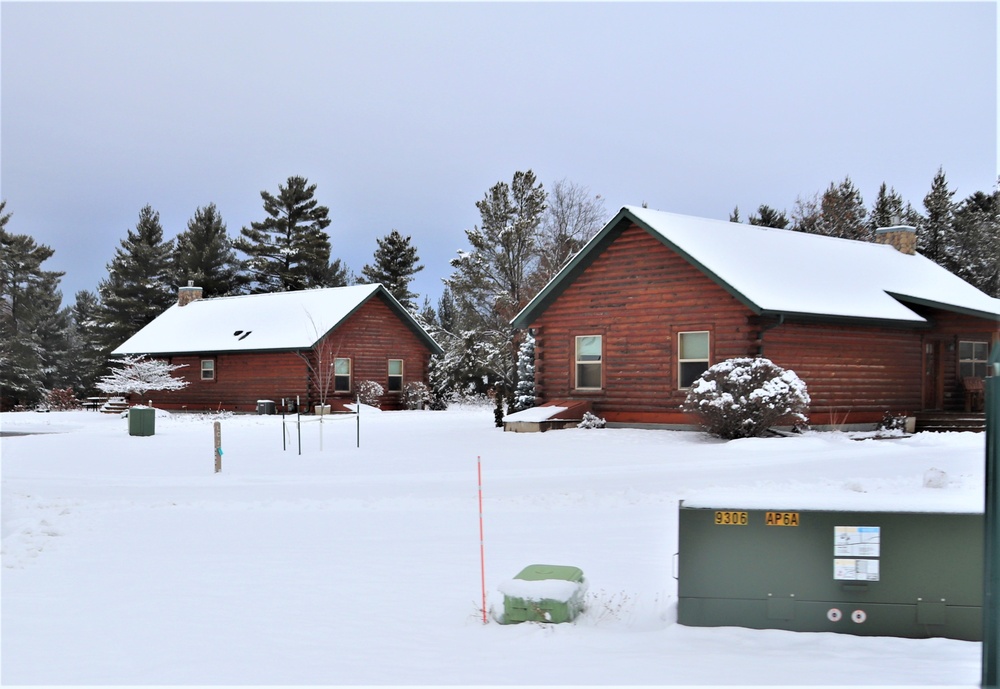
x: 369, y: 338
x: 638, y: 295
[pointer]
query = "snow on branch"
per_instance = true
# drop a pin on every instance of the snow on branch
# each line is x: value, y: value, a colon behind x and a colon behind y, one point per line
x: 137, y: 374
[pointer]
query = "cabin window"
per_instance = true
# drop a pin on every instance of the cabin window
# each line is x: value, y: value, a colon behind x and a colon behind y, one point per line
x: 972, y: 358
x: 589, y: 362
x: 208, y: 369
x: 692, y: 358
x: 341, y: 375
x: 395, y: 375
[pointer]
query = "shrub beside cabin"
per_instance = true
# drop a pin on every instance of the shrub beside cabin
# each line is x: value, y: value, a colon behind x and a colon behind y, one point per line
x: 656, y: 298
x: 309, y: 344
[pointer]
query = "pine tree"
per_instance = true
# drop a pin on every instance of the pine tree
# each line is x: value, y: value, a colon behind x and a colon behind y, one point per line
x: 975, y: 252
x: 204, y: 255
x: 492, y: 282
x: 33, y: 337
x: 887, y: 210
x: 524, y: 397
x: 769, y: 217
x: 86, y: 362
x: 935, y: 234
x: 733, y: 217
x: 139, y: 286
x: 289, y: 250
x: 396, y: 262
x: 844, y: 213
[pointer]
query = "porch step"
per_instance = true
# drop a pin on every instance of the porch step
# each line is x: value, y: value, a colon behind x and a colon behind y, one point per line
x: 115, y: 405
x: 942, y: 422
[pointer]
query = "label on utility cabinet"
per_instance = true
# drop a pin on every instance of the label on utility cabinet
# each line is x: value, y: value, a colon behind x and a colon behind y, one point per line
x: 855, y: 570
x: 781, y: 519
x: 731, y: 518
x: 856, y: 541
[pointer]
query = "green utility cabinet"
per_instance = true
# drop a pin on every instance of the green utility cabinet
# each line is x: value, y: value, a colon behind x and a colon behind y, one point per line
x: 141, y: 421
x: 906, y: 574
x: 544, y: 593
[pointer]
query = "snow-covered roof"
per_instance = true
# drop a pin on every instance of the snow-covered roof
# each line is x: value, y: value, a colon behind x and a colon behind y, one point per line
x: 794, y: 273
x: 272, y: 321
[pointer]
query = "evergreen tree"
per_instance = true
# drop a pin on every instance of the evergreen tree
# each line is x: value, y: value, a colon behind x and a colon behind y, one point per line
x: 769, y: 217
x: 492, y: 282
x: 396, y: 262
x: 733, y: 217
x: 887, y: 211
x: 524, y: 397
x: 843, y: 212
x: 33, y: 338
x: 204, y: 255
x: 85, y: 360
x: 572, y: 216
x: 289, y: 250
x: 139, y: 283
x: 975, y: 251
x: 935, y: 234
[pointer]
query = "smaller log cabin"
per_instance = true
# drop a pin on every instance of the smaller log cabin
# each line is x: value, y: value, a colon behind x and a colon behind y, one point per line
x: 656, y: 298
x: 309, y: 346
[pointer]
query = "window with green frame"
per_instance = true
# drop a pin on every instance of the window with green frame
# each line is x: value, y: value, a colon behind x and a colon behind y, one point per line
x: 692, y: 357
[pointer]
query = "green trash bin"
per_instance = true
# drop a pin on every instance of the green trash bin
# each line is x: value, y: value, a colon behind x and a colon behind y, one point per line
x: 141, y: 421
x: 544, y: 593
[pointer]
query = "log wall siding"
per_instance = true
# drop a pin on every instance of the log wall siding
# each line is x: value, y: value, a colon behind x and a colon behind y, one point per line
x: 369, y: 337
x: 638, y: 295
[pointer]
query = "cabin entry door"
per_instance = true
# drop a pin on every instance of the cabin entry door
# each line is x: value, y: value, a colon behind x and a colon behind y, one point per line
x: 933, y: 383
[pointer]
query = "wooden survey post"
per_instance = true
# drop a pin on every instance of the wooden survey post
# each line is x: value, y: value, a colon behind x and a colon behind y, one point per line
x: 218, y: 446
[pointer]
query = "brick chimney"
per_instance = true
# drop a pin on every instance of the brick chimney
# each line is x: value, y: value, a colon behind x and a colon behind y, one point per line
x: 186, y: 295
x: 901, y: 237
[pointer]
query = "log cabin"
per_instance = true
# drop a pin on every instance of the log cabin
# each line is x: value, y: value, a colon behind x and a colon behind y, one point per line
x: 306, y: 347
x: 655, y: 298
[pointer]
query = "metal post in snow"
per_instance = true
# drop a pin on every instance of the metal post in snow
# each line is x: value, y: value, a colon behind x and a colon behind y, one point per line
x: 991, y: 525
x: 357, y: 420
x: 482, y: 546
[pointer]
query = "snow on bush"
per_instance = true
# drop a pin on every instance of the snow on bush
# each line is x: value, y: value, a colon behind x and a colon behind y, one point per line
x: 416, y: 395
x: 591, y: 421
x: 370, y: 393
x: 61, y: 399
x: 743, y: 397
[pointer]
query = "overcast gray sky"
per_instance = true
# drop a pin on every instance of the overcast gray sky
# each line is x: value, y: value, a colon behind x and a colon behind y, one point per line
x: 405, y: 114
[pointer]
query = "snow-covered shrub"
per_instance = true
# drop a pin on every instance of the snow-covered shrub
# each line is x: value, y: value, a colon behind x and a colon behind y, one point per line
x: 524, y: 394
x: 743, y: 397
x: 891, y: 422
x: 591, y: 421
x: 416, y: 395
x: 62, y: 399
x: 370, y: 393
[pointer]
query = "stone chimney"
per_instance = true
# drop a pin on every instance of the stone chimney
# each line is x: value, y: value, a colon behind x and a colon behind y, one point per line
x: 186, y: 295
x: 901, y: 237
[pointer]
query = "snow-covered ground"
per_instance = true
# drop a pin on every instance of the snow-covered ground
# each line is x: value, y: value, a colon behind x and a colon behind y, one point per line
x: 127, y: 560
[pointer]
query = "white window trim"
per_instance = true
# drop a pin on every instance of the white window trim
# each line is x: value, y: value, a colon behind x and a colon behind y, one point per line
x: 210, y: 368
